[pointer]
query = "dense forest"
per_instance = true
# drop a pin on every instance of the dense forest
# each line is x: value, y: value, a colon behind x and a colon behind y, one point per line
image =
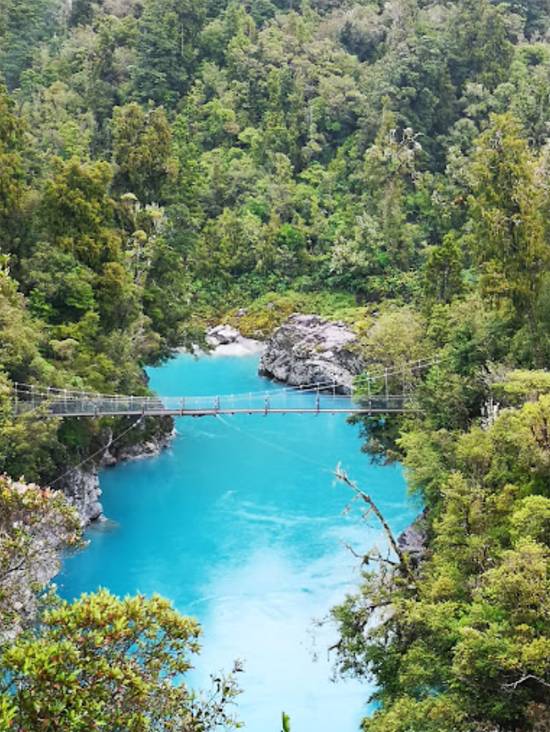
x: 165, y: 164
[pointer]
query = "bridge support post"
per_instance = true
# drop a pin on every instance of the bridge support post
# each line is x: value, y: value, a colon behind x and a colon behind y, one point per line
x: 317, y: 399
x: 216, y: 404
x: 182, y: 406
x: 266, y: 406
x: 386, y: 383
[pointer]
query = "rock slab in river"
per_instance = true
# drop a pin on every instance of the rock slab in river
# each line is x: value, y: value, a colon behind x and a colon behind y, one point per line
x: 227, y: 341
x: 222, y: 335
x: 306, y: 350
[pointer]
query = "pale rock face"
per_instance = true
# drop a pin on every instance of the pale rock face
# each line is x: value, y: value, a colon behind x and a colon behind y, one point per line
x: 81, y: 487
x: 308, y: 350
x: 414, y: 540
x: 227, y: 341
x: 222, y: 335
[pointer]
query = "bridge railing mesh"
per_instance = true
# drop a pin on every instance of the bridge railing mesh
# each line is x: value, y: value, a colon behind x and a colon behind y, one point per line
x: 74, y: 404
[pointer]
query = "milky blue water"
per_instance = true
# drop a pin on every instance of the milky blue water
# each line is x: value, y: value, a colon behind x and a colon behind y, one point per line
x: 240, y: 523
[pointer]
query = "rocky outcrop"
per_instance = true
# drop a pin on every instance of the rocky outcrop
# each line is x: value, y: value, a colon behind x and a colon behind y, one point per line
x: 221, y: 335
x: 152, y: 446
x: 81, y: 485
x: 227, y: 341
x: 414, y: 540
x: 308, y: 350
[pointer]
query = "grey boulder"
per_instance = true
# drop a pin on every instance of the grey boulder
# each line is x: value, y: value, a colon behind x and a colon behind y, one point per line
x: 308, y: 350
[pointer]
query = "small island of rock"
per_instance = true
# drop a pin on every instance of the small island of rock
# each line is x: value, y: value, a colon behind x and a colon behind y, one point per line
x: 307, y: 350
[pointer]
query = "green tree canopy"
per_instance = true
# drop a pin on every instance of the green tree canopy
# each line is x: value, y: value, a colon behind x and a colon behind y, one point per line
x: 166, y: 49
x: 102, y: 662
x: 507, y: 212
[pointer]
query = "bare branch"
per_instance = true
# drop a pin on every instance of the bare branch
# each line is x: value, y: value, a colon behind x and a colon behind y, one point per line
x: 341, y: 475
x: 366, y: 514
x: 528, y: 677
x: 352, y: 550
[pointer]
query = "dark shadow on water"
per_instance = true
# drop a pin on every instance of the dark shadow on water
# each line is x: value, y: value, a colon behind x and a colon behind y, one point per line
x: 103, y: 526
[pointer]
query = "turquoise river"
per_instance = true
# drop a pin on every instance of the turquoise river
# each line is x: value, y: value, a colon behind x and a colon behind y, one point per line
x: 240, y: 523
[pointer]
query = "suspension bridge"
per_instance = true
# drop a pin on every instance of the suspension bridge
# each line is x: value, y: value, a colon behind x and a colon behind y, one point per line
x: 318, y: 398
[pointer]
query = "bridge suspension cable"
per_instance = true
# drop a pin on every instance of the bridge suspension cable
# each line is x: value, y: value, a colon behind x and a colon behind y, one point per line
x: 61, y: 402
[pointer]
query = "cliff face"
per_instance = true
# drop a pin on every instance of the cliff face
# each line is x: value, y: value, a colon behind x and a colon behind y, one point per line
x: 309, y: 350
x: 81, y: 485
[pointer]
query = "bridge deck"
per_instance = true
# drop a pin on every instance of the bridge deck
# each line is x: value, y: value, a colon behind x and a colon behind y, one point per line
x: 221, y: 411
x: 60, y: 404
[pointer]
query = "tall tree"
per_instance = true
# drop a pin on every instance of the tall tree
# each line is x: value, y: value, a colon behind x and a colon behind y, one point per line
x: 510, y: 231
x: 167, y: 49
x: 25, y: 23
x: 11, y: 169
x: 77, y: 212
x: 141, y: 150
x: 82, y: 11
x: 481, y: 49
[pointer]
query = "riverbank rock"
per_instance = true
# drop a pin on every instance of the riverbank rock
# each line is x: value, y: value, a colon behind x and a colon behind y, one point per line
x: 149, y: 448
x: 227, y: 341
x: 306, y: 350
x: 222, y: 335
x: 414, y: 540
x: 81, y: 487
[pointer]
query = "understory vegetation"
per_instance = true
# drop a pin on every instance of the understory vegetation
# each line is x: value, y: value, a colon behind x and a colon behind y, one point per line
x: 166, y: 164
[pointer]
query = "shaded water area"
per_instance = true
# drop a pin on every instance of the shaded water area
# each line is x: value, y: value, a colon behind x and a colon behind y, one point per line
x: 240, y: 523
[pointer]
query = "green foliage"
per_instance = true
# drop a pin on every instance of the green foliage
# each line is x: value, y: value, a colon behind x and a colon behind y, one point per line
x: 480, y: 38
x: 11, y: 168
x: 268, y: 311
x: 443, y: 271
x: 531, y: 519
x: 466, y: 645
x: 35, y: 526
x: 141, y: 151
x: 262, y: 11
x: 519, y: 387
x: 306, y: 150
x: 507, y: 211
x: 165, y: 164
x: 82, y: 12
x: 106, y: 662
x: 166, y: 55
x: 24, y: 24
x: 77, y: 212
